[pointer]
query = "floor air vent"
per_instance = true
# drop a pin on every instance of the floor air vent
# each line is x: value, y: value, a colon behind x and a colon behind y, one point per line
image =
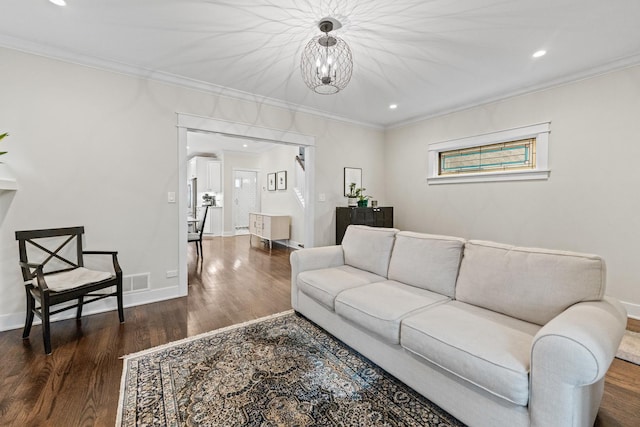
x: 135, y: 282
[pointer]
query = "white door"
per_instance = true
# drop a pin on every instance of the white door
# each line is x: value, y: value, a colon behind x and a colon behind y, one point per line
x: 245, y: 198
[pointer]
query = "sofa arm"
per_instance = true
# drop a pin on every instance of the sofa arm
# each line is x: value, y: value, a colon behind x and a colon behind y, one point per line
x: 570, y: 356
x: 312, y: 259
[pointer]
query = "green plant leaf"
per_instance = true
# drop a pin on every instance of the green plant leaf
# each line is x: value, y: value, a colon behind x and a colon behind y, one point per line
x: 2, y: 136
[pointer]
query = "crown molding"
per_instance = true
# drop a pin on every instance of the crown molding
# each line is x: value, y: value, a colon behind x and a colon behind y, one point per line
x: 173, y: 79
x: 617, y: 65
x: 168, y: 78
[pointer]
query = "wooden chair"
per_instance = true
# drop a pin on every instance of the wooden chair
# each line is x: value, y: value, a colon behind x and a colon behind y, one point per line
x: 65, y: 280
x: 197, y: 236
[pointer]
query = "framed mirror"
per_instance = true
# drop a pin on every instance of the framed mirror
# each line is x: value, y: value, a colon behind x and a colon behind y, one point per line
x: 352, y: 175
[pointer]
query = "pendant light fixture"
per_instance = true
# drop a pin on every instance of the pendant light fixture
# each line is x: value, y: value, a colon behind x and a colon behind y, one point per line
x: 326, y: 62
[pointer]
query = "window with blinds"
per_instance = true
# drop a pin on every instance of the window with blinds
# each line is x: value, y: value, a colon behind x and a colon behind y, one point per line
x: 511, y: 155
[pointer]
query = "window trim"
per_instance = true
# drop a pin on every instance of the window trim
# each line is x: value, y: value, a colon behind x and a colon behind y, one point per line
x: 539, y: 131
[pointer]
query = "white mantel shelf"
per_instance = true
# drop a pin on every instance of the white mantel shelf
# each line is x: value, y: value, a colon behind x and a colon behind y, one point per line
x: 8, y: 181
x: 8, y: 184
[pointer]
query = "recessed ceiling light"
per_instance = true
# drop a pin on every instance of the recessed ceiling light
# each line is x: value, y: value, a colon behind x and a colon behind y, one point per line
x: 393, y: 106
x: 59, y: 2
x: 539, y: 53
x: 245, y: 145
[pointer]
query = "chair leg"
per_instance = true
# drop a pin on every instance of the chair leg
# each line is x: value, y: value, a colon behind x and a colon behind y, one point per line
x: 29, y: 320
x: 79, y: 312
x: 201, y: 251
x: 46, y: 332
x: 120, y: 304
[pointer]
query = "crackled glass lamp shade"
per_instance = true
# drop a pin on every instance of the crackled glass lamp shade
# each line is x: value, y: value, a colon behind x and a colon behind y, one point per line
x: 326, y: 62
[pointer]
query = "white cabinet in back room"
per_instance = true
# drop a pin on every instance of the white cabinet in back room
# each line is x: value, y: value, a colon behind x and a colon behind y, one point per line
x: 213, y: 223
x: 216, y: 221
x: 269, y: 227
x: 201, y: 172
x: 207, y: 171
x: 214, y: 176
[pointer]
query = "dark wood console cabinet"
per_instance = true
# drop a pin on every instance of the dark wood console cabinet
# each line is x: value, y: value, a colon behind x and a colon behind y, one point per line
x: 374, y: 217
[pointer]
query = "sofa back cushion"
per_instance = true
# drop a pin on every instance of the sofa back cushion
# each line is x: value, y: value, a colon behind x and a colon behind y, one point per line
x: 534, y: 285
x: 426, y: 261
x: 368, y: 248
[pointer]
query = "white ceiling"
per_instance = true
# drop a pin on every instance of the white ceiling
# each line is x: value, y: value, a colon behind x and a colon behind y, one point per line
x: 428, y: 56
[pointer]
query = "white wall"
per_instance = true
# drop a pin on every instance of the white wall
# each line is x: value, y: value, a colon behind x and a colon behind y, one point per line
x: 281, y: 158
x: 589, y: 204
x: 100, y: 149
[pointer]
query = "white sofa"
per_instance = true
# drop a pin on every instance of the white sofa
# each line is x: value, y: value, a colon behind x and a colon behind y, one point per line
x: 496, y: 335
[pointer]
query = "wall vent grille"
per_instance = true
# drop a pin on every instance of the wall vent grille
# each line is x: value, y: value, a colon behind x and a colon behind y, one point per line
x: 136, y: 282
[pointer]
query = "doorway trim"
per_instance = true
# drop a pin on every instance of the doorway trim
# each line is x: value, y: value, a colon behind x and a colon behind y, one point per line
x: 190, y: 122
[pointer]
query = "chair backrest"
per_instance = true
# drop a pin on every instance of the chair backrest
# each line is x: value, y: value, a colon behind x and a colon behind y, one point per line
x: 45, y: 241
x: 202, y: 220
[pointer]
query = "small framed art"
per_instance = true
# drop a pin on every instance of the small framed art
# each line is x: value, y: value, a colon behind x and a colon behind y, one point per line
x: 281, y: 180
x: 352, y: 176
x: 271, y: 181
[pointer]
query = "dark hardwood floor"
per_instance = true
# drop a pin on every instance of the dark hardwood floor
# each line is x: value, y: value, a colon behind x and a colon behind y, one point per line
x: 78, y: 384
x: 620, y: 405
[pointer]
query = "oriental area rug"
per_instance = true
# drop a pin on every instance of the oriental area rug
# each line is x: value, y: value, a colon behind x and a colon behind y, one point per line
x: 276, y: 371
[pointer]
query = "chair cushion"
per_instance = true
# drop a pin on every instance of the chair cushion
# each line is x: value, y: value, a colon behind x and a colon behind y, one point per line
x: 325, y: 284
x: 483, y: 347
x: 368, y: 248
x: 73, y: 279
x: 193, y: 236
x: 427, y: 261
x: 380, y: 307
x: 534, y: 285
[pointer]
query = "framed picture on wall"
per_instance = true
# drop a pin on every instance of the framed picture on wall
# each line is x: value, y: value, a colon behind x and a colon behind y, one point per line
x: 281, y: 180
x: 352, y: 176
x: 271, y: 181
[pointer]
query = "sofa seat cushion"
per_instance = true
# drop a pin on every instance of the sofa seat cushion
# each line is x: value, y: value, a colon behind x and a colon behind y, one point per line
x: 325, y: 284
x: 380, y: 307
x: 485, y: 348
x: 66, y: 280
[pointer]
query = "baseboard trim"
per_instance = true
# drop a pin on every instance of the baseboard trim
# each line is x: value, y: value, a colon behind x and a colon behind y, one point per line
x: 633, y: 310
x: 16, y: 320
x: 293, y: 244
